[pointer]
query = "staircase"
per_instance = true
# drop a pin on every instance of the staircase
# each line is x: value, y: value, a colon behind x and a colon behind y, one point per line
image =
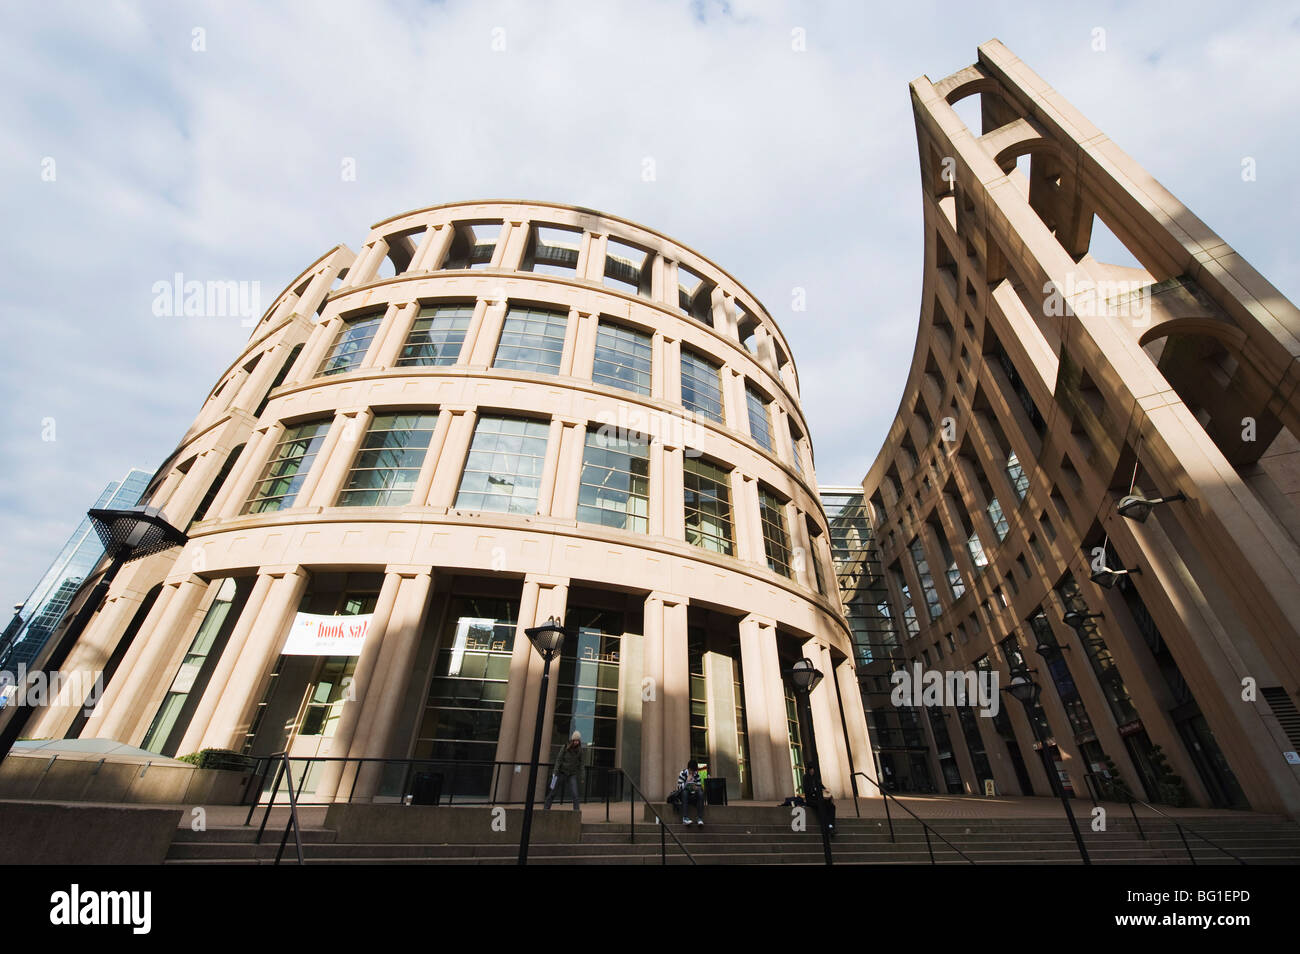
x: 1258, y: 839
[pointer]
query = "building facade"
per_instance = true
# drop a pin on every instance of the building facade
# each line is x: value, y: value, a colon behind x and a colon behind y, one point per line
x: 493, y: 414
x: 1048, y: 384
x: 47, y: 605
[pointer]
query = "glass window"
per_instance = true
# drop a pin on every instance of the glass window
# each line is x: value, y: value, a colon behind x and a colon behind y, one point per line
x: 976, y: 550
x: 701, y: 386
x: 776, y: 539
x: 504, y: 469
x: 532, y: 340
x: 192, y: 670
x: 287, y: 469
x: 760, y: 424
x: 622, y: 358
x: 436, y: 336
x: 388, y: 462
x: 462, y: 715
x: 794, y: 450
x: 615, y: 485
x: 708, y: 505
x: 998, y: 517
x: 928, y: 589
x: 350, y: 345
x: 1019, y: 479
x: 586, y: 696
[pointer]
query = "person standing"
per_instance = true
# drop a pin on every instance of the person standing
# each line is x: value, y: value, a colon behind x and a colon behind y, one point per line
x: 568, y: 766
x: 692, y: 789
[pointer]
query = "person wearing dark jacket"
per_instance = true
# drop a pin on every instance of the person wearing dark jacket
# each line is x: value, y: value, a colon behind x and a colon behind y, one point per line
x: 568, y: 766
x: 692, y: 789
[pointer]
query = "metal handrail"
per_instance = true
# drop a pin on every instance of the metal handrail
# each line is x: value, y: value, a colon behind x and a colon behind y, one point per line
x: 925, y: 827
x: 663, y: 827
x: 293, y: 818
x: 1180, y: 826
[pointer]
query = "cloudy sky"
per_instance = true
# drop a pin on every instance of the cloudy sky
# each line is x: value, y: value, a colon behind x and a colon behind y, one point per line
x: 145, y: 139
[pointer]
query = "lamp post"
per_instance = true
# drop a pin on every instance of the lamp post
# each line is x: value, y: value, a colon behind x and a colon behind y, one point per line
x: 1108, y: 577
x: 805, y: 677
x: 1026, y: 691
x: 547, y: 640
x: 1081, y: 623
x: 127, y: 535
x: 1138, y: 508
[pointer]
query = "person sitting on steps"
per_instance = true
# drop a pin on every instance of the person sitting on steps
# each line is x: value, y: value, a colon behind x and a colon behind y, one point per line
x: 689, y: 784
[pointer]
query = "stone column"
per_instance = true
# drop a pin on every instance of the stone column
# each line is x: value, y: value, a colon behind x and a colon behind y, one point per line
x: 451, y: 458
x: 744, y: 509
x: 769, y: 738
x: 134, y: 687
x: 855, y: 718
x: 432, y: 251
x: 380, y: 706
x: 672, y: 363
x: 735, y: 410
x: 489, y: 333
x: 673, y: 492
x: 724, y: 749
x: 330, y: 468
x: 220, y: 677
x: 658, y: 367
x: 570, y: 345
x: 88, y: 657
x: 234, y: 493
x: 235, y: 710
x: 555, y: 441
x: 584, y: 348
x: 117, y: 687
x: 313, y: 351
x: 548, y: 597
x: 182, y: 504
x: 593, y: 263
x: 363, y: 676
x: 564, y: 503
x: 832, y: 756
x: 804, y: 555
x: 232, y: 497
x: 516, y: 685
x: 666, y: 732
x: 384, y: 349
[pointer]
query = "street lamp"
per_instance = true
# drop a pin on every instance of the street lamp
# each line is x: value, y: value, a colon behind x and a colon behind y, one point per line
x: 547, y: 640
x: 1108, y: 577
x: 127, y: 535
x: 1139, y: 508
x: 1026, y: 692
x: 1081, y: 622
x: 804, y: 676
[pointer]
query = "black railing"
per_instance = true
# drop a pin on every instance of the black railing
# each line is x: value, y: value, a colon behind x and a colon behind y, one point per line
x: 624, y: 778
x: 458, y: 782
x: 473, y: 782
x: 924, y: 826
x: 1182, y: 829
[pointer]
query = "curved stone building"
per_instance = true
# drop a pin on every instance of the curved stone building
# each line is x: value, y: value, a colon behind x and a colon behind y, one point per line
x: 1048, y: 384
x: 493, y: 414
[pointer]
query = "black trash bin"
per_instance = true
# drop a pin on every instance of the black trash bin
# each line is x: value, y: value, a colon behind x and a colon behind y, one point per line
x: 426, y: 788
x: 715, y: 791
